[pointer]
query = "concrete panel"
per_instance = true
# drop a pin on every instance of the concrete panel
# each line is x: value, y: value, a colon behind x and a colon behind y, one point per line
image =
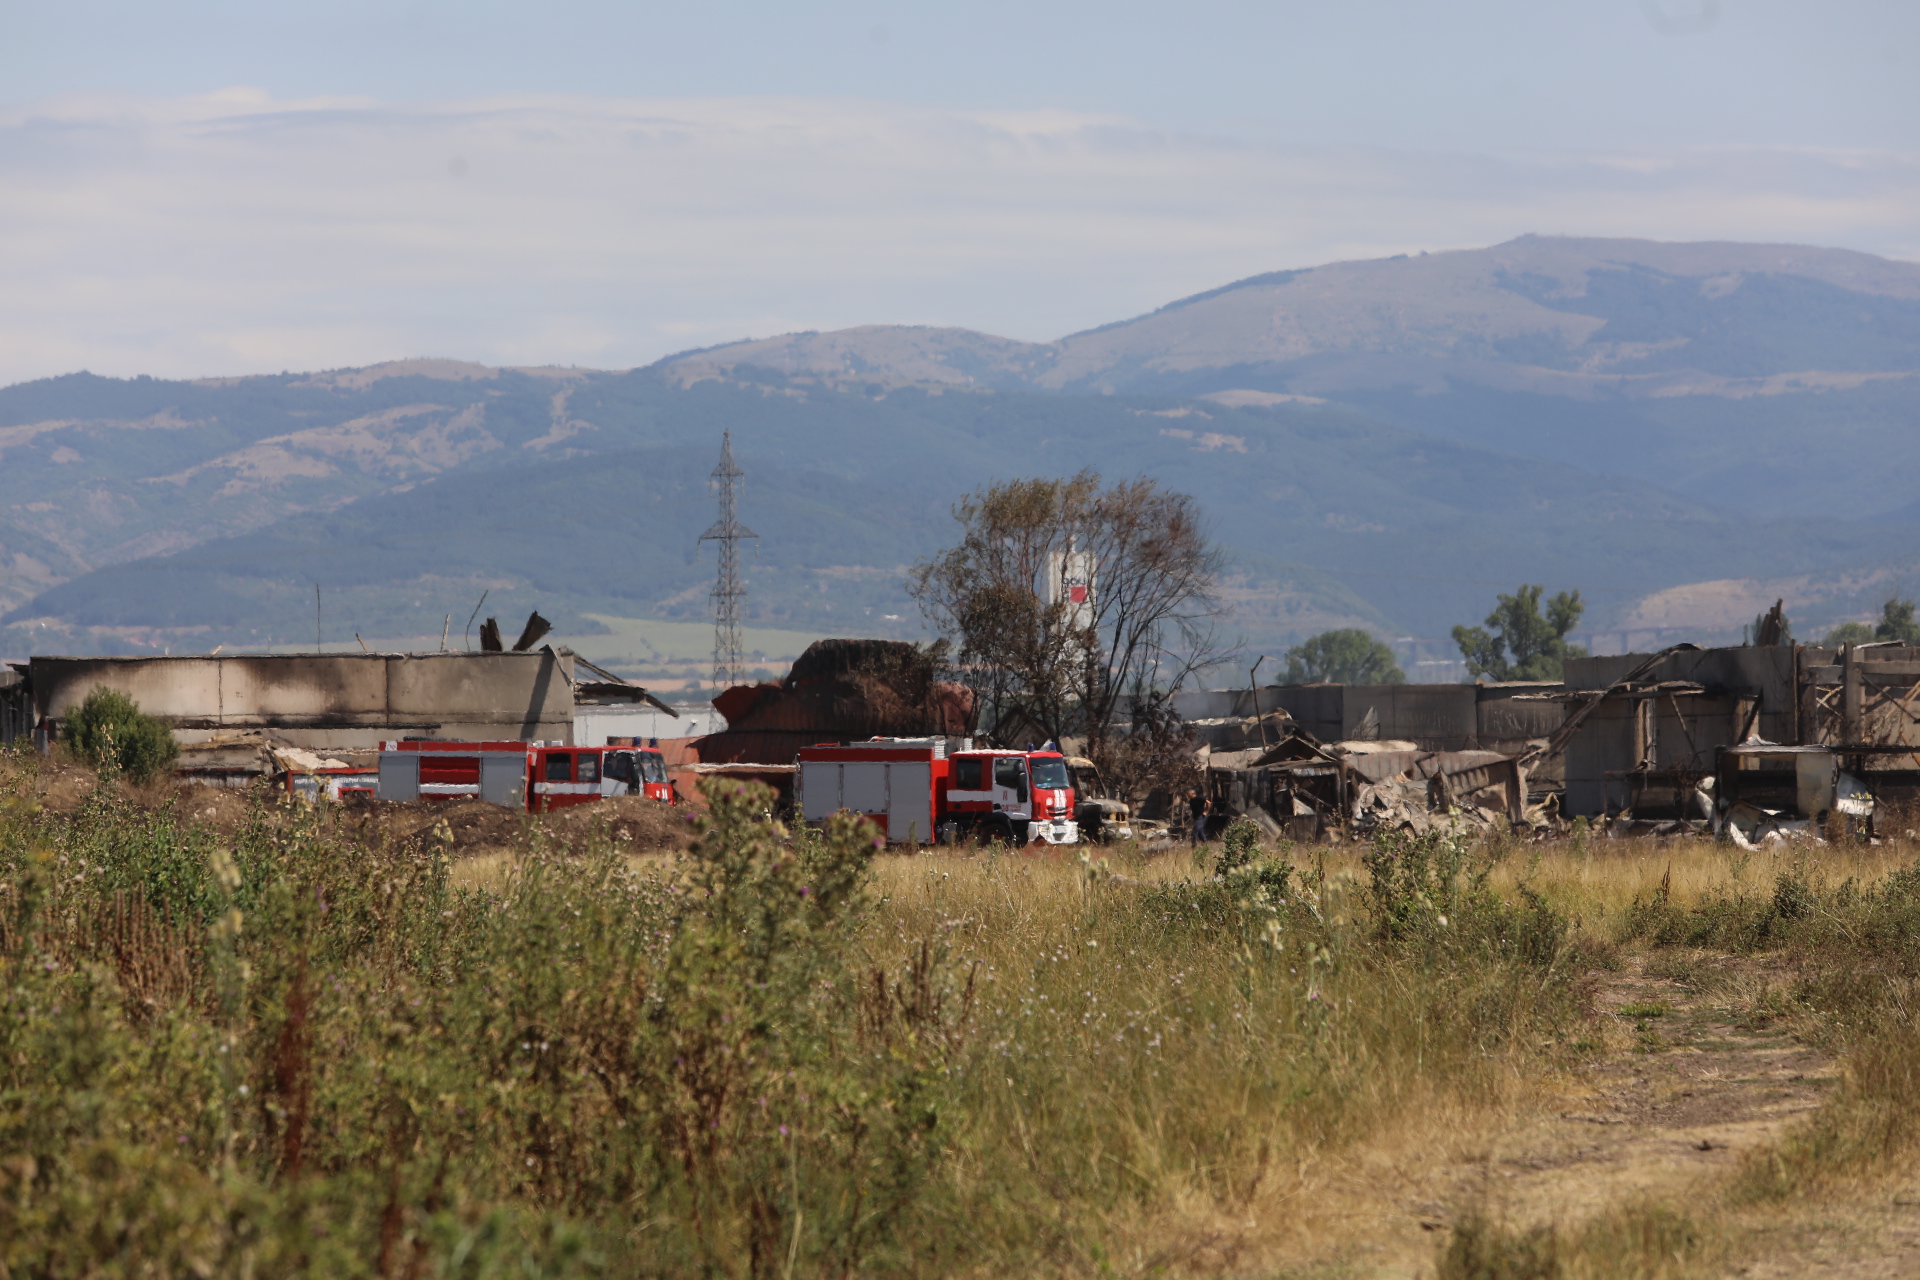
x: 1440, y: 717
x: 348, y: 700
x: 1208, y: 704
x: 1503, y: 717
x: 531, y: 688
x: 1317, y: 708
x: 595, y: 726
x: 1604, y: 742
x: 301, y: 691
x: 1687, y: 730
x: 172, y: 687
x: 1598, y: 673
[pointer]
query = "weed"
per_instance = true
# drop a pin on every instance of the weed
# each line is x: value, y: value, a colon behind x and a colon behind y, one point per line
x: 295, y: 1051
x: 1645, y: 1009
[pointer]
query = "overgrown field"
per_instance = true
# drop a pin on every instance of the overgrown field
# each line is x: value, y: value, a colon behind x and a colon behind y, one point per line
x: 292, y: 1046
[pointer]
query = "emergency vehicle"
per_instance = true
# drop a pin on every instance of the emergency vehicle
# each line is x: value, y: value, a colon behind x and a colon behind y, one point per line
x: 335, y: 784
x: 535, y: 776
x: 914, y: 790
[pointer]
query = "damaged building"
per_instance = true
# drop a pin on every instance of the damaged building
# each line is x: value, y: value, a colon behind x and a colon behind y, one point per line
x: 238, y: 716
x: 1307, y: 760
x: 1436, y: 717
x: 1688, y: 732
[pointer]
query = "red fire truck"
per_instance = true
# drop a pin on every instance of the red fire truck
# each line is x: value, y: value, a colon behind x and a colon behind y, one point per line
x: 913, y: 790
x: 536, y: 776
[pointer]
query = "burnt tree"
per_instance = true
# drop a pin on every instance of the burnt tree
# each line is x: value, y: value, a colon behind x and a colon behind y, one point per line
x: 1133, y: 616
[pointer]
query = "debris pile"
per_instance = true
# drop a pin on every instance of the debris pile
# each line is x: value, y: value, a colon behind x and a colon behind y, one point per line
x: 839, y: 690
x: 1308, y: 790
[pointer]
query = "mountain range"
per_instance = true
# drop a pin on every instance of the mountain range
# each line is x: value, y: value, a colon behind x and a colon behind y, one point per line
x: 1683, y: 431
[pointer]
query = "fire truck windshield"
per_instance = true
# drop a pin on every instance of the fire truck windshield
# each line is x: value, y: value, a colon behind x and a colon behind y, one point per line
x: 1050, y: 774
x: 652, y: 768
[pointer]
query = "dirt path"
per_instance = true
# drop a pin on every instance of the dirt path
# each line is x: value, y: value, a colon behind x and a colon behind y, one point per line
x: 1688, y: 1084
x: 1685, y: 1084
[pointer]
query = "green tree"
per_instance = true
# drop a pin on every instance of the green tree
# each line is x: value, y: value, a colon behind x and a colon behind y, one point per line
x: 1347, y: 656
x: 1518, y: 643
x: 1849, y: 633
x: 110, y: 732
x: 1896, y: 622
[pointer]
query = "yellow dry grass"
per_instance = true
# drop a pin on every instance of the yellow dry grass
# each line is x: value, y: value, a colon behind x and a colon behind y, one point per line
x: 1155, y: 1096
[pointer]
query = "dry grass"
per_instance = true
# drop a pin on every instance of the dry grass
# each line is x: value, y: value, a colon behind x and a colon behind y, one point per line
x: 1156, y: 1095
x: 1127, y: 1064
x: 1239, y: 1171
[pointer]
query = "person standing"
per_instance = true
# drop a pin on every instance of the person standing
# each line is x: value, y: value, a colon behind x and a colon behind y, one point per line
x: 1197, y: 809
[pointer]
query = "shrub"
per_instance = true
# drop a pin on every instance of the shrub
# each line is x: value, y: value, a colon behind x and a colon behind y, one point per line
x: 1257, y: 883
x: 1425, y: 892
x: 283, y: 1053
x: 111, y: 733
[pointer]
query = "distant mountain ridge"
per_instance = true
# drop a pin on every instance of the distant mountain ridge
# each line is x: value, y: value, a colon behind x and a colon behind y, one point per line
x: 1637, y: 316
x: 1677, y: 429
x: 1703, y: 364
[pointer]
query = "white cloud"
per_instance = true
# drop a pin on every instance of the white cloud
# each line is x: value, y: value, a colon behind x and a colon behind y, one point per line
x: 232, y: 233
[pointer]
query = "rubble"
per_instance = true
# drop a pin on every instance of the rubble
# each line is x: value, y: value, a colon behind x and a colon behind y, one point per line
x: 838, y: 690
x: 1306, y: 790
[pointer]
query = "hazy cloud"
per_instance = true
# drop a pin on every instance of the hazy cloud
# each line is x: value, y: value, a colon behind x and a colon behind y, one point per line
x: 235, y: 233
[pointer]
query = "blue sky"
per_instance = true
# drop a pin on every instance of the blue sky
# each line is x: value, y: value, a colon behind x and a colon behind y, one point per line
x: 204, y: 188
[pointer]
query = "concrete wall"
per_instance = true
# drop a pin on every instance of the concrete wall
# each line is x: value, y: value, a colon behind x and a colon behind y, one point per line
x: 1440, y: 717
x: 340, y: 700
x: 16, y: 708
x: 1686, y: 731
x: 1505, y: 716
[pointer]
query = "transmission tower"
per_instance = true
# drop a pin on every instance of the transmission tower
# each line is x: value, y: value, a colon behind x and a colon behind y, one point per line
x: 727, y: 589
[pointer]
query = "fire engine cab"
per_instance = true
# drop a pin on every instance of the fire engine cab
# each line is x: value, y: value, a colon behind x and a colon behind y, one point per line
x: 536, y: 776
x: 913, y: 790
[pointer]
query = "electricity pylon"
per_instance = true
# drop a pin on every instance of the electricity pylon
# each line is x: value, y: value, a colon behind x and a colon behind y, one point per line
x: 727, y: 589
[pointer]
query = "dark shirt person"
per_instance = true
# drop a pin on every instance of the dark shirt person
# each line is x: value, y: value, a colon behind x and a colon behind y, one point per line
x: 1197, y: 809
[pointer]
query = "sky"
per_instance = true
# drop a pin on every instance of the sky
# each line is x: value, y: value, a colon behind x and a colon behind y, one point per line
x: 213, y: 188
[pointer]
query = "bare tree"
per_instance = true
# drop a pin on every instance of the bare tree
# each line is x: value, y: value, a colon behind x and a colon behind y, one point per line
x: 1156, y: 752
x: 1062, y: 665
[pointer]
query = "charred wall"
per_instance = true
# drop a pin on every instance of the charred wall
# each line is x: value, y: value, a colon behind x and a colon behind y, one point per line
x: 1675, y: 736
x: 1440, y: 717
x: 337, y: 700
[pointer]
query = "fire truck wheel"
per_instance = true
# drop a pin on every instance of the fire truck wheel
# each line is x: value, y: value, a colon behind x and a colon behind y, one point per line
x: 1001, y: 829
